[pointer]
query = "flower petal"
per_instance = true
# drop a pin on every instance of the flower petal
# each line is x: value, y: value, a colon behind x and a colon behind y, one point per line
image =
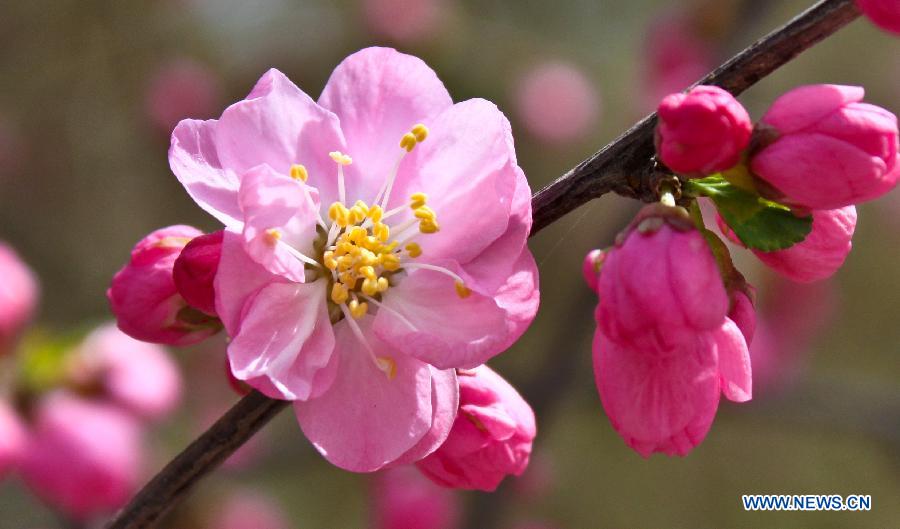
x: 239, y: 277
x: 734, y: 362
x: 444, y: 403
x: 285, y: 338
x: 366, y: 420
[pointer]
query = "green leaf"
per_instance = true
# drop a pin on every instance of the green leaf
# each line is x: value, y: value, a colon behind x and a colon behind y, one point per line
x: 759, y: 223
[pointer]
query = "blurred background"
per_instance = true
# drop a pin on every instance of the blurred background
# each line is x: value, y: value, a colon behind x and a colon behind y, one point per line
x: 90, y: 91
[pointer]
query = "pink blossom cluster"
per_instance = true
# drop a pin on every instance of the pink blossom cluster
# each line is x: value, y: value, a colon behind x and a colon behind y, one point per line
x: 373, y: 258
x: 72, y: 431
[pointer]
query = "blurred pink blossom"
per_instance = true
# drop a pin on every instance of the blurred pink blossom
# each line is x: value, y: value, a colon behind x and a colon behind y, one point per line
x: 12, y: 439
x: 180, y: 89
x: 883, y: 13
x: 402, y: 498
x: 18, y: 297
x: 404, y: 21
x: 82, y: 457
x: 557, y: 102
x: 248, y: 509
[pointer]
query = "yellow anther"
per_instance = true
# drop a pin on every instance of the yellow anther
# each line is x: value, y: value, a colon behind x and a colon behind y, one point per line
x: 330, y: 262
x: 381, y: 231
x: 414, y: 249
x: 424, y: 212
x: 363, y: 206
x: 298, y: 172
x: 462, y: 290
x: 357, y: 234
x: 387, y: 365
x: 390, y: 262
x: 417, y: 200
x: 339, y: 293
x: 357, y: 309
x: 383, y: 284
x: 345, y: 263
x: 375, y: 213
x: 390, y: 247
x: 420, y: 132
x: 408, y: 141
x: 370, y: 286
x: 339, y: 214
x: 357, y: 214
x: 340, y: 158
x: 429, y: 226
x: 272, y: 235
x: 368, y: 272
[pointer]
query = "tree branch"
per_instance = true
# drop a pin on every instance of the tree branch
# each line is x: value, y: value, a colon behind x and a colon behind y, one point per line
x: 623, y: 166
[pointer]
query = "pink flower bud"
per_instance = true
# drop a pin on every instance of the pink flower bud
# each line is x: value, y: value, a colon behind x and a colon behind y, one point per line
x: 743, y: 313
x: 883, y: 13
x: 557, y: 102
x: 181, y: 89
x: 402, y: 498
x: 138, y: 376
x: 12, y: 439
x: 823, y: 251
x: 831, y: 150
x: 83, y: 458
x: 661, y: 284
x: 145, y: 300
x: 195, y: 270
x: 250, y: 510
x: 491, y: 436
x: 590, y: 269
x: 703, y: 131
x: 18, y: 297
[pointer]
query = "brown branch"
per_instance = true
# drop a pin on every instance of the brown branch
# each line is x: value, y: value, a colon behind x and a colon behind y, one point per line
x: 622, y: 166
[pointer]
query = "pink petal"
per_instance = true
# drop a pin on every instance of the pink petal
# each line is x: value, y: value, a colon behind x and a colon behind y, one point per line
x: 734, y: 362
x: 519, y: 297
x: 444, y: 403
x: 379, y: 94
x: 285, y: 339
x: 366, y: 420
x: 239, y: 277
x: 806, y: 105
x: 436, y: 326
x: 194, y: 158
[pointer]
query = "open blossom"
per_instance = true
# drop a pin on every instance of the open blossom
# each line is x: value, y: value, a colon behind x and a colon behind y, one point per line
x: 137, y: 376
x: 82, y: 457
x: 831, y: 150
x: 12, y: 439
x: 144, y: 298
x: 818, y: 256
x: 491, y: 437
x: 403, y: 498
x: 883, y: 13
x: 354, y: 277
x: 703, y: 131
x: 660, y: 284
x: 557, y: 102
x: 18, y: 297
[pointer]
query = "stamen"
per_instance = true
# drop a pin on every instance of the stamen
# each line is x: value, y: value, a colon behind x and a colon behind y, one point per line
x: 417, y: 200
x: 357, y: 309
x: 460, y: 285
x: 414, y: 249
x: 341, y: 159
x: 299, y: 172
x: 420, y: 132
x: 388, y: 365
x: 384, y: 364
x: 462, y: 290
x: 382, y: 306
x: 272, y: 235
x: 299, y: 255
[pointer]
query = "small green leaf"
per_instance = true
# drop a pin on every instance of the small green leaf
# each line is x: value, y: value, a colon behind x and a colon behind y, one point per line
x: 759, y: 223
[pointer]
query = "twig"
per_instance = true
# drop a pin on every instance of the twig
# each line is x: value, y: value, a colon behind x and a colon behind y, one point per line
x: 622, y: 167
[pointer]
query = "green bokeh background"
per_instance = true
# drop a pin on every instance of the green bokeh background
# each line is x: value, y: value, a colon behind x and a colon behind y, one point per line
x: 94, y: 179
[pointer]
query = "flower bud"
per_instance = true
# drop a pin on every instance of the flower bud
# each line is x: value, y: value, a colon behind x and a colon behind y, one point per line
x: 590, y: 268
x: 145, y: 300
x: 491, y: 436
x: 12, y: 439
x: 742, y: 312
x: 18, y: 297
x: 823, y: 251
x: 660, y: 284
x: 195, y: 270
x: 703, y: 131
x: 883, y: 13
x: 831, y: 150
x: 83, y: 458
x: 402, y: 498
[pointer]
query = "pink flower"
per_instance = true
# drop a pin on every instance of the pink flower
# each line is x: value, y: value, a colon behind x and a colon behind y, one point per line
x: 660, y: 285
x: 250, y: 510
x: 18, y: 297
x: 491, y: 437
x: 195, y: 271
x: 665, y: 400
x: 818, y: 256
x: 82, y: 458
x: 703, y: 131
x: 179, y: 89
x: 743, y: 312
x: 356, y: 285
x: 883, y: 13
x: 145, y: 300
x: 557, y: 102
x: 137, y: 376
x: 590, y: 267
x: 403, y: 499
x: 831, y: 150
x: 404, y: 20
x: 12, y: 439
